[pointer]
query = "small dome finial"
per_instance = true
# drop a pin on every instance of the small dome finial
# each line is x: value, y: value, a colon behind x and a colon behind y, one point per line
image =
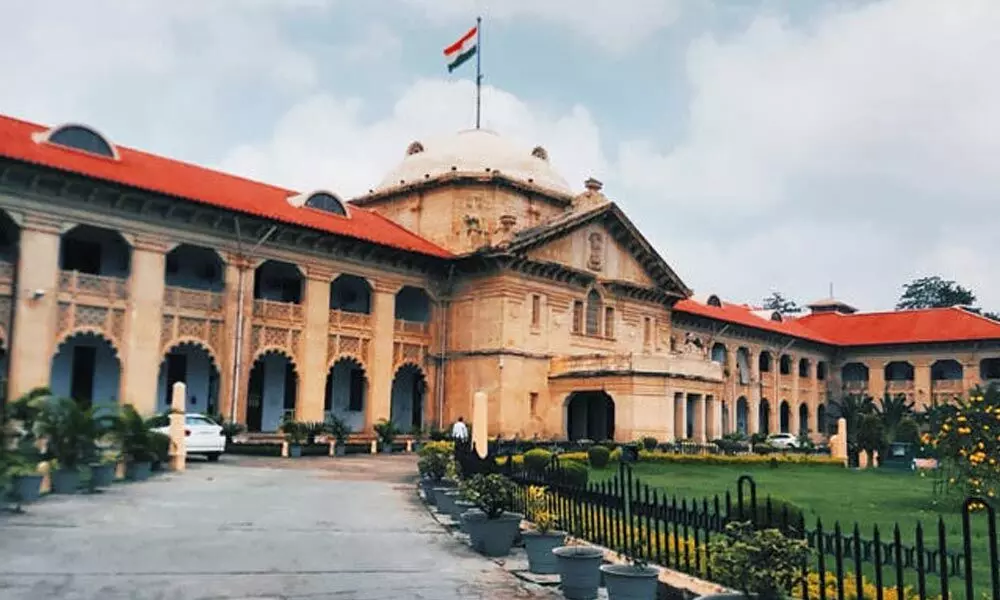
x: 414, y: 148
x: 540, y: 152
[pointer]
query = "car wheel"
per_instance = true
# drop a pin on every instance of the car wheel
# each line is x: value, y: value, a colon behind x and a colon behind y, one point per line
x: 212, y: 456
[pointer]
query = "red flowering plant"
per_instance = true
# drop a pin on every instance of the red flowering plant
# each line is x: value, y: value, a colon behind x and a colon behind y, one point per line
x: 966, y: 438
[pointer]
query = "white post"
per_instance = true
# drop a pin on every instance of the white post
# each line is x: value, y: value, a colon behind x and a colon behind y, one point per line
x: 178, y: 443
x: 480, y: 427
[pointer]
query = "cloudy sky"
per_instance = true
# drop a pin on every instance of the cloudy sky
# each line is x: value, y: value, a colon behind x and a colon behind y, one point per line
x: 760, y: 144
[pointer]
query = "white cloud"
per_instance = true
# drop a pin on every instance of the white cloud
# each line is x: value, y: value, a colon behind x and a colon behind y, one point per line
x: 326, y: 141
x: 880, y: 123
x: 616, y: 26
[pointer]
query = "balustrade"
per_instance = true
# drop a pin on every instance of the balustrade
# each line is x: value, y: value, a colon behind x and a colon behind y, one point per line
x: 108, y: 287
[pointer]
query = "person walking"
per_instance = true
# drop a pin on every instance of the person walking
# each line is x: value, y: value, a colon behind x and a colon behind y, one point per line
x: 459, y: 431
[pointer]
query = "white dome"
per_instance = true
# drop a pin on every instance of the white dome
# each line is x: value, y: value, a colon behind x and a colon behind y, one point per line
x: 476, y: 151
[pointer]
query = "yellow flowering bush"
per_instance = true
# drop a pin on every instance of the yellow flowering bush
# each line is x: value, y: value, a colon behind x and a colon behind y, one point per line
x: 966, y: 438
x: 537, y: 508
x: 745, y: 460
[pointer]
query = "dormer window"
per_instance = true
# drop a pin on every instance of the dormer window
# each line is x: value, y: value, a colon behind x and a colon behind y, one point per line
x: 714, y: 300
x: 80, y: 137
x: 324, y: 201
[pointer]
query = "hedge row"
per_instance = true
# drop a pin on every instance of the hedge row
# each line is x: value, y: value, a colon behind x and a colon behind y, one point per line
x: 542, y: 457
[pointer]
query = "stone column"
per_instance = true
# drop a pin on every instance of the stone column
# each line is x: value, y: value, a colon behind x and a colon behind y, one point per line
x: 793, y: 417
x: 380, y: 354
x: 680, y: 416
x: 141, y: 352
x: 700, y: 423
x: 876, y: 378
x: 753, y: 402
x: 228, y: 379
x: 35, y: 324
x: 793, y: 422
x: 314, y: 367
x: 668, y: 423
x: 715, y: 418
x: 814, y: 398
x: 922, y: 383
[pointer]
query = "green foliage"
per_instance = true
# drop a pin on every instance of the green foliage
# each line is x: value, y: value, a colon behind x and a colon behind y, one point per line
x: 598, y: 456
x: 159, y: 446
x: 574, y: 473
x: 649, y: 443
x: 294, y: 431
x: 968, y: 443
x: 386, y: 431
x: 135, y: 436
x: 871, y: 433
x: 907, y: 431
x: 537, y: 460
x: 785, y: 516
x: 779, y: 303
x: 312, y: 429
x: 70, y: 431
x: 934, y: 292
x: 437, y: 447
x: 761, y: 562
x: 433, y: 466
x: 437, y: 435
x: 337, y: 428
x: 493, y: 494
x: 231, y: 429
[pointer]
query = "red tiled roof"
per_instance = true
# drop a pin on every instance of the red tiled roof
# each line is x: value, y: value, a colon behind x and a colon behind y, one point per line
x: 741, y: 314
x: 860, y: 329
x: 902, y: 327
x: 175, y: 178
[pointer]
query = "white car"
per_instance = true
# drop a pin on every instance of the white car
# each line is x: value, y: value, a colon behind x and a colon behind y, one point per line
x: 202, y: 435
x: 783, y: 440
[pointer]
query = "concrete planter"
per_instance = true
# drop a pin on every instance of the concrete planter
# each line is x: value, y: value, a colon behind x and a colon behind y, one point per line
x: 463, y: 506
x: 65, y: 481
x: 339, y: 449
x: 427, y: 487
x: 625, y: 582
x: 579, y: 571
x: 26, y: 488
x: 102, y: 475
x: 138, y: 471
x: 492, y: 537
x: 454, y: 497
x: 443, y: 501
x: 539, y: 547
x: 294, y: 451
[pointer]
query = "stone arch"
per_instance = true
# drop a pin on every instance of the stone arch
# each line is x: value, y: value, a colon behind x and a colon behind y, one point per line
x: 784, y: 417
x: 764, y: 416
x: 408, y: 396
x: 719, y: 353
x: 764, y: 362
x: 193, y: 362
x: 413, y: 304
x: 87, y: 330
x: 742, y: 424
x: 86, y: 366
x: 272, y: 388
x: 346, y: 391
x: 186, y: 340
x: 803, y: 419
x: 590, y: 414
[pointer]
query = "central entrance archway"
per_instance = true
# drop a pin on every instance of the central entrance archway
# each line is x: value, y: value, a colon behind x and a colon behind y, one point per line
x: 271, y: 391
x: 409, y: 387
x: 191, y: 363
x: 590, y: 415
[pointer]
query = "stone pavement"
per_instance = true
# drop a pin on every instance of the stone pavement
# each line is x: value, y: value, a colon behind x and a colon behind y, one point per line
x: 246, y: 527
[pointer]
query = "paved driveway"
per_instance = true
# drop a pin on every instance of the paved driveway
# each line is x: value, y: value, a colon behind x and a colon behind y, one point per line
x: 246, y: 528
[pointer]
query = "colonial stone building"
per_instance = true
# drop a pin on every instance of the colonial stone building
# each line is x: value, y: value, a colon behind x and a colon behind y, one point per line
x: 471, y: 266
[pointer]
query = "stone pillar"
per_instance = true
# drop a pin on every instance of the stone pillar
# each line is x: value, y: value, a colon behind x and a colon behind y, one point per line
x: 680, y: 416
x: 141, y: 352
x: 380, y: 354
x: 668, y: 417
x: 700, y: 423
x: 480, y: 423
x: 876, y: 378
x: 793, y: 421
x: 314, y: 366
x: 35, y: 317
x: 178, y: 441
x: 715, y: 418
x: 230, y: 381
x: 753, y: 402
x: 793, y: 417
x: 922, y: 384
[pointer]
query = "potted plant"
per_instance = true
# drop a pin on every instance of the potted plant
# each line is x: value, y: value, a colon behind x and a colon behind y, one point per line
x: 69, y: 432
x: 102, y: 468
x: 230, y: 430
x: 491, y: 527
x: 418, y: 437
x: 761, y: 564
x: 136, y: 440
x: 579, y: 570
x: 544, y: 538
x: 19, y: 452
x: 433, y: 466
x: 339, y: 431
x: 634, y: 579
x: 386, y: 432
x: 312, y: 430
x: 295, y: 434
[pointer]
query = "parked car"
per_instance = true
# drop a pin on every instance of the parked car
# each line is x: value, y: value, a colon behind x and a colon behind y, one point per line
x: 203, y: 435
x: 783, y: 440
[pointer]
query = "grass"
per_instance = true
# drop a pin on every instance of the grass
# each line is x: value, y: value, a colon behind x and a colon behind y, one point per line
x: 868, y: 498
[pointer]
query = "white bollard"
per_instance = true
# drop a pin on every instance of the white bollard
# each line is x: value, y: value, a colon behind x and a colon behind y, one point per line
x: 178, y: 442
x: 480, y: 414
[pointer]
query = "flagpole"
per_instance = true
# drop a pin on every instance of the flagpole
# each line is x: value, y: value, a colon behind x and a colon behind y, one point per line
x: 479, y: 74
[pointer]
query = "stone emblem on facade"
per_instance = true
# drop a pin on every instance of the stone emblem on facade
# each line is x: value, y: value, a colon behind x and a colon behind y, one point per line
x: 595, y: 260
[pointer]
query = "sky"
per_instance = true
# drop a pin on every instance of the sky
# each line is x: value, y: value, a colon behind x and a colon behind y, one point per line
x: 760, y: 145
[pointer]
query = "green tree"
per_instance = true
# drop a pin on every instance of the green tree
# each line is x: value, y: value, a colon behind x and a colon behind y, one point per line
x: 852, y: 408
x: 934, y: 292
x: 779, y: 303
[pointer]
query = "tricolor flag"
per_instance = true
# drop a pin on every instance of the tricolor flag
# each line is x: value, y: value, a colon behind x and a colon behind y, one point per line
x: 462, y: 50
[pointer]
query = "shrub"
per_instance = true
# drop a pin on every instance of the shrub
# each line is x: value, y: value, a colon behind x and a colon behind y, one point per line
x: 437, y: 447
x: 159, y: 445
x: 761, y: 562
x: 433, y: 466
x: 574, y: 473
x: 386, y: 432
x: 598, y: 456
x: 493, y: 494
x: 746, y: 459
x: 649, y: 443
x: 783, y: 515
x: 538, y: 509
x: 537, y: 460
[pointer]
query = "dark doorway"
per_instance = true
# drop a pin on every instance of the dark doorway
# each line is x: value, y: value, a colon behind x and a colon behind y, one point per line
x: 81, y: 387
x: 590, y: 415
x: 255, y: 397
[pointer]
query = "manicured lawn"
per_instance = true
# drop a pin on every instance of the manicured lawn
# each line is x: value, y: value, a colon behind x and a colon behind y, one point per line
x: 867, y: 497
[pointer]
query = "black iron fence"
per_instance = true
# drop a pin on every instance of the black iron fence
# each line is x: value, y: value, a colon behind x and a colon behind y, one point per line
x: 622, y: 512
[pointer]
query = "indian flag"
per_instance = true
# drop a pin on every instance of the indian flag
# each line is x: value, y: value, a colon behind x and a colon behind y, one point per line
x: 462, y: 50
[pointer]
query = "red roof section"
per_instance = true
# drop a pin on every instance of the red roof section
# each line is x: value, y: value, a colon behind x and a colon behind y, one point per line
x: 860, y: 329
x: 902, y: 327
x: 175, y: 178
x: 741, y: 314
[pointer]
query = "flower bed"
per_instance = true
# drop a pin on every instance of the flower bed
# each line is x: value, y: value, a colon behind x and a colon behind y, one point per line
x: 657, y: 456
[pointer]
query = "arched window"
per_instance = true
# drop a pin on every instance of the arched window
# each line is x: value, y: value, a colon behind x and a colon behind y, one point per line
x: 326, y: 202
x: 593, y: 313
x: 714, y: 300
x: 83, y: 138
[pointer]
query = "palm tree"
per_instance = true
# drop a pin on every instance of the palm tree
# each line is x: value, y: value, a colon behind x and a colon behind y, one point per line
x: 893, y: 410
x: 852, y: 408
